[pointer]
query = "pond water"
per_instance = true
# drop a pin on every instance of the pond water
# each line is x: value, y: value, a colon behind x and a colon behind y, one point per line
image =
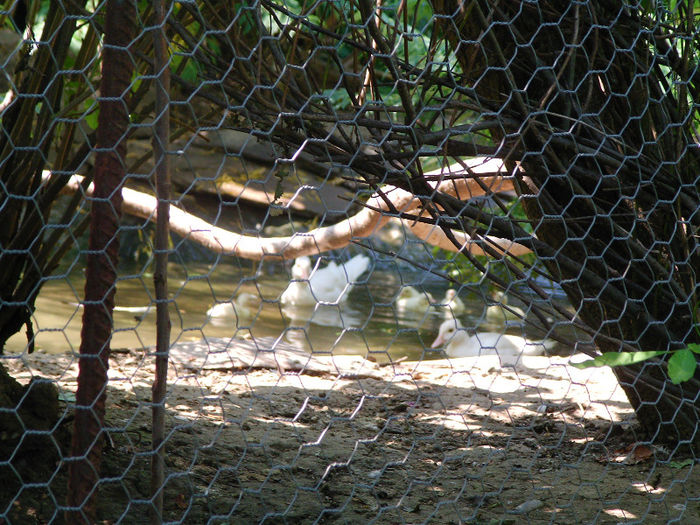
x: 368, y: 323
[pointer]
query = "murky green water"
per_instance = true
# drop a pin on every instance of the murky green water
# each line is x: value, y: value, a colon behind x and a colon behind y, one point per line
x: 367, y: 323
x: 361, y: 325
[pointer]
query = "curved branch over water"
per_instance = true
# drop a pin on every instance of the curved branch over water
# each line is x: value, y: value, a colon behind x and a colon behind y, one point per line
x: 376, y: 213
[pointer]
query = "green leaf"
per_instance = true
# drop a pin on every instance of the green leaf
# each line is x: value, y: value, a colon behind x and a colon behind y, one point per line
x: 694, y: 348
x: 681, y: 464
x: 91, y: 119
x: 681, y: 366
x: 618, y: 359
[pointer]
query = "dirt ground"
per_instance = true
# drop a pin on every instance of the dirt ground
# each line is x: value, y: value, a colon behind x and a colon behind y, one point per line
x: 281, y: 437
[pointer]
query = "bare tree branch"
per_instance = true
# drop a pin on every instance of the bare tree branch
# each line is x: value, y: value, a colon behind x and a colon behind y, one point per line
x: 375, y: 214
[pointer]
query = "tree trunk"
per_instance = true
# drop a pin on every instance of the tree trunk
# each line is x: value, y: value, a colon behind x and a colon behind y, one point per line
x: 607, y: 179
x: 31, y: 407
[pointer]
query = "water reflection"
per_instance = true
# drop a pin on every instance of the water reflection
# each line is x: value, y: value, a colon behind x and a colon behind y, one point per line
x: 329, y: 316
x: 368, y: 323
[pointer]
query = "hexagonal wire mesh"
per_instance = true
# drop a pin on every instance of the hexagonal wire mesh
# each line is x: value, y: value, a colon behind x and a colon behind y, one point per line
x: 393, y: 225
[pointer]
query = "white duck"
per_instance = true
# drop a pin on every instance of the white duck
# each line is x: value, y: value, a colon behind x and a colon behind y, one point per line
x: 452, y: 304
x: 411, y: 300
x: 497, y: 313
x: 509, y: 348
x: 239, y: 308
x: 328, y: 285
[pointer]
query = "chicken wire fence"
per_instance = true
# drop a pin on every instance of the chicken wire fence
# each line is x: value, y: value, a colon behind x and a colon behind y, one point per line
x: 395, y: 229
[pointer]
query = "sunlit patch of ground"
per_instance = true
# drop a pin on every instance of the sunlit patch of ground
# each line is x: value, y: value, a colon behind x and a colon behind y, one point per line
x: 446, y: 441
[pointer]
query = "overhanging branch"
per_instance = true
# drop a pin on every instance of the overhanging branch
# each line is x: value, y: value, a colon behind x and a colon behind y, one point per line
x: 375, y: 214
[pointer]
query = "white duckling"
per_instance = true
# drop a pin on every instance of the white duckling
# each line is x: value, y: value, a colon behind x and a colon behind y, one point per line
x: 239, y: 308
x: 328, y: 285
x: 509, y: 348
x: 452, y: 304
x: 497, y: 313
x: 411, y: 300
